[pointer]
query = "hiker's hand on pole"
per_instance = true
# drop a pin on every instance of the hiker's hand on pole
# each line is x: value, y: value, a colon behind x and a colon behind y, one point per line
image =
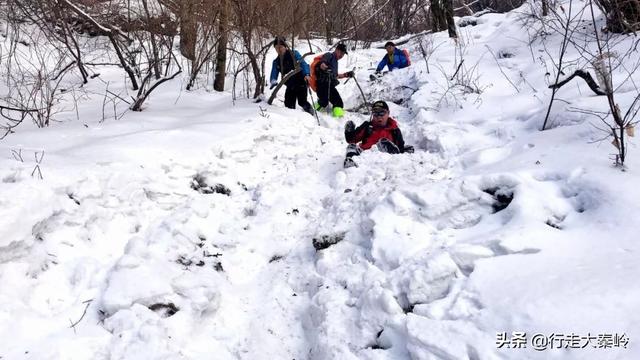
x: 307, y: 79
x: 323, y: 66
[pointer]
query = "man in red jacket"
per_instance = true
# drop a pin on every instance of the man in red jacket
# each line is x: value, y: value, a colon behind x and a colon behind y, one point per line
x: 381, y: 131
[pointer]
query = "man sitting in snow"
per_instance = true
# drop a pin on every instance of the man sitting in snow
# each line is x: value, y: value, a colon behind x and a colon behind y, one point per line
x: 394, y: 59
x: 381, y: 131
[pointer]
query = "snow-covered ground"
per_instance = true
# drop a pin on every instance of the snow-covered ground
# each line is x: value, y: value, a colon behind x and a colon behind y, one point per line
x: 186, y: 231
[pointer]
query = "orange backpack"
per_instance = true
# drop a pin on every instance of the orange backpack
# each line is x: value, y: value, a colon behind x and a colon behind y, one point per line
x: 406, y: 54
x: 313, y: 84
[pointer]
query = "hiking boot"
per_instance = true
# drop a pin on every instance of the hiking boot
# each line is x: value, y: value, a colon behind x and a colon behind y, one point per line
x: 338, y: 112
x: 353, y: 150
x: 348, y: 162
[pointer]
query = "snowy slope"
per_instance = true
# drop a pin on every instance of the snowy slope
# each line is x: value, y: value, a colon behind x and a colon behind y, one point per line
x: 491, y: 226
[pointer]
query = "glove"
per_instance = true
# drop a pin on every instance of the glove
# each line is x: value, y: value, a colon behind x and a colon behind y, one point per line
x: 349, y: 127
x: 409, y: 149
x: 349, y: 130
x: 273, y: 84
x: 349, y: 74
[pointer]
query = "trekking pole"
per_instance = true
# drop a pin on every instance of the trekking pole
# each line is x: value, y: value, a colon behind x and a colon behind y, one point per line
x: 361, y: 92
x: 366, y: 103
x: 315, y: 112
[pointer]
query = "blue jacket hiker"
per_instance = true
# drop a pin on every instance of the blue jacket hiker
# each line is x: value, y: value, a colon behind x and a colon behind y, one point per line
x: 394, y: 59
x: 297, y: 84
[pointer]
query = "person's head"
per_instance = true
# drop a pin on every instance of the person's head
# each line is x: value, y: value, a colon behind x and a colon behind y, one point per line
x: 341, y: 50
x: 379, y: 113
x: 280, y: 44
x: 390, y: 47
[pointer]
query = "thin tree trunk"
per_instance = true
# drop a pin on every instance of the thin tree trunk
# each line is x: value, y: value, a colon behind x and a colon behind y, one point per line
x: 221, y: 56
x: 437, y: 16
x: 188, y: 30
x: 327, y: 25
x: 448, y: 12
x: 398, y: 17
x: 255, y: 67
x: 154, y: 46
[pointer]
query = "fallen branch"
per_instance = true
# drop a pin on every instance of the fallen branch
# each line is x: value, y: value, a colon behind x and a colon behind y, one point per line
x: 2, y: 107
x: 73, y: 324
x: 458, y: 69
x: 13, y: 122
x: 502, y: 71
x: 288, y: 76
x: 142, y: 95
x: 402, y: 42
x: 586, y: 76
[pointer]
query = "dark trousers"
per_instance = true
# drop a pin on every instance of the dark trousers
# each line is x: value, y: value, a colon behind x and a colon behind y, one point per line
x: 328, y: 94
x: 296, y: 92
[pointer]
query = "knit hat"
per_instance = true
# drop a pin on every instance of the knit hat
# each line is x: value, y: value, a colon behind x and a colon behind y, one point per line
x: 342, y: 47
x: 389, y: 43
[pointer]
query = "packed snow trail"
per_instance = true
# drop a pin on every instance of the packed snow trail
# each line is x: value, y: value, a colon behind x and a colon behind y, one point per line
x: 188, y: 234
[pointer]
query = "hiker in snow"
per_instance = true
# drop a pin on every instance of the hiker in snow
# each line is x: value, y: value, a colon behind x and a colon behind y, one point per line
x: 297, y: 84
x: 381, y: 131
x: 326, y: 73
x: 394, y: 59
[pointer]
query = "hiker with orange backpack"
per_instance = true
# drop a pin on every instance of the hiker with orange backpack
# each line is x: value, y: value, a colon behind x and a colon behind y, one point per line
x: 324, y: 79
x: 394, y: 59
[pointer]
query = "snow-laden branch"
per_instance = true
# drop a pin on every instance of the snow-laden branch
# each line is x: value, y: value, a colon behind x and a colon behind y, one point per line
x: 466, y: 6
x: 105, y: 30
x: 355, y: 27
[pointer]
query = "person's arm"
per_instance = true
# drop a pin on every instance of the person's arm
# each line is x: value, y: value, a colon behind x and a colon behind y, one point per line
x: 382, y: 64
x: 274, y: 72
x: 397, y: 139
x: 325, y: 62
x: 404, y: 62
x: 358, y: 134
x: 303, y: 64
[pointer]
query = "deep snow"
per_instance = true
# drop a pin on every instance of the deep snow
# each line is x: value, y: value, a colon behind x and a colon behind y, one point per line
x: 431, y: 264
